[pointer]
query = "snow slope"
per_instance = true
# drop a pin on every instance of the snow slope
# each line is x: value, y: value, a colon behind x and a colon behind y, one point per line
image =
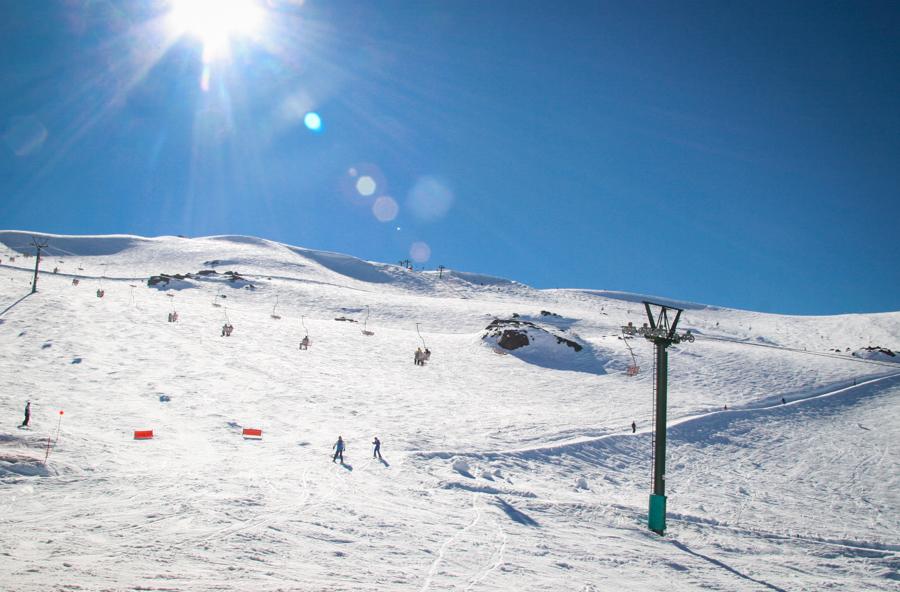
x: 500, y: 472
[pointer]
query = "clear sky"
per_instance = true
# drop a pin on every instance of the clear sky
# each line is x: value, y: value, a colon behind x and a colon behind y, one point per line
x: 744, y: 154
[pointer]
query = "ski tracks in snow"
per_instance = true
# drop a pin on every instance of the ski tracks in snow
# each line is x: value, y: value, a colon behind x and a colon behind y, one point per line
x: 496, y: 556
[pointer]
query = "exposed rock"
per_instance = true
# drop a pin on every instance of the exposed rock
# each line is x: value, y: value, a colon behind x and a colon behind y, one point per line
x: 875, y: 349
x: 512, y: 334
x: 513, y: 339
x: 165, y: 278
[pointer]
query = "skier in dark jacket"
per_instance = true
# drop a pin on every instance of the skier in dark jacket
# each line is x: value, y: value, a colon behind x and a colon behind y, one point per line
x: 27, y: 414
x: 338, y: 450
x: 633, y: 427
x: 377, y: 452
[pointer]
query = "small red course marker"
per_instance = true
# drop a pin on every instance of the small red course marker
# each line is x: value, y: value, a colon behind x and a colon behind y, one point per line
x: 143, y: 434
x: 252, y: 433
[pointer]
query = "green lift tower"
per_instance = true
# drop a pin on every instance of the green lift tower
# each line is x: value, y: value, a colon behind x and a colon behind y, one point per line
x: 661, y: 331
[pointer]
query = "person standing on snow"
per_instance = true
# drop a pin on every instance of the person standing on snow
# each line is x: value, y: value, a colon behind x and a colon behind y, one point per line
x: 27, y: 414
x: 633, y: 427
x: 377, y: 452
x: 338, y: 450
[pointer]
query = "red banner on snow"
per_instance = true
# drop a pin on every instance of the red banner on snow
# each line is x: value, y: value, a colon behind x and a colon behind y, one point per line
x: 143, y: 434
x: 252, y: 433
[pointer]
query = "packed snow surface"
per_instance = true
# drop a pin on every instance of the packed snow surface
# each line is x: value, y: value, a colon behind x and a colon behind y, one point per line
x: 501, y: 470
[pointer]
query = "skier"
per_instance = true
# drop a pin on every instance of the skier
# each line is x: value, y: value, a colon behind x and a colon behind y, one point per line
x: 633, y: 427
x: 304, y: 343
x: 338, y: 450
x: 377, y: 452
x: 417, y: 358
x: 27, y: 415
x: 426, y: 356
x: 783, y: 401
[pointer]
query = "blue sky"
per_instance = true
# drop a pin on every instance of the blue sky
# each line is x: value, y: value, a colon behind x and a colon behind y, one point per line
x: 742, y: 154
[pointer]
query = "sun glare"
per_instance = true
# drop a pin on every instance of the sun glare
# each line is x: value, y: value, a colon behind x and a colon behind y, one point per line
x: 216, y: 21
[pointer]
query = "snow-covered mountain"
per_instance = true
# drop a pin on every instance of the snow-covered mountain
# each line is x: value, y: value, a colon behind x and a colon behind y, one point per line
x: 503, y: 469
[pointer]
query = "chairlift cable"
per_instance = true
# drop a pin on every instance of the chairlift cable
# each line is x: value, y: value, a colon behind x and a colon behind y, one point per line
x: 831, y: 355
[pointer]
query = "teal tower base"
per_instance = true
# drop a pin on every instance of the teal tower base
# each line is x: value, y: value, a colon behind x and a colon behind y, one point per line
x: 657, y: 519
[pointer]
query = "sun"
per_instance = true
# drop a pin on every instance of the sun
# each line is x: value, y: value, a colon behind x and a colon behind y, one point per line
x: 215, y: 22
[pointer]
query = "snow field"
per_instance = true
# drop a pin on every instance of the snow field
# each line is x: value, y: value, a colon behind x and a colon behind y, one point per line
x: 499, y: 474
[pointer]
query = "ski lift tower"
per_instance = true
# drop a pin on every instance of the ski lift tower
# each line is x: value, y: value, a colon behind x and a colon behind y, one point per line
x: 661, y: 331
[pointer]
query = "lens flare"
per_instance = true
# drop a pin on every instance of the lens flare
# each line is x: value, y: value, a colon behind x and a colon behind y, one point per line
x: 420, y: 252
x: 430, y: 198
x: 366, y: 185
x: 312, y: 121
x: 385, y: 208
x: 25, y: 135
x: 363, y: 183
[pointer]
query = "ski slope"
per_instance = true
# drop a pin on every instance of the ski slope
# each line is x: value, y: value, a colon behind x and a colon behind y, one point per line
x: 512, y: 471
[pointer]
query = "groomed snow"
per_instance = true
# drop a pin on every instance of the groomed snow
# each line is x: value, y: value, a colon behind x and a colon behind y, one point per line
x: 500, y: 472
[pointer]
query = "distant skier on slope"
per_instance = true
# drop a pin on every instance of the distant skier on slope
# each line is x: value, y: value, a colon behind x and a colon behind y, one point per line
x: 417, y: 357
x: 27, y: 415
x: 633, y: 427
x: 377, y: 452
x: 339, y: 450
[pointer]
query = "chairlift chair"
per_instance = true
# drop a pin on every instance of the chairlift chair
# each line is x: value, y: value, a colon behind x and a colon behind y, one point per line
x: 273, y: 315
x: 227, y: 328
x: 426, y: 351
x: 305, y: 342
x: 628, y: 330
x: 365, y: 330
x: 100, y: 291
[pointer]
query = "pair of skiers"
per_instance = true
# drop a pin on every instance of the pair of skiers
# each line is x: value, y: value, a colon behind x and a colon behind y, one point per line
x: 421, y: 357
x: 304, y: 343
x: 173, y: 316
x: 340, y: 446
x: 227, y: 328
